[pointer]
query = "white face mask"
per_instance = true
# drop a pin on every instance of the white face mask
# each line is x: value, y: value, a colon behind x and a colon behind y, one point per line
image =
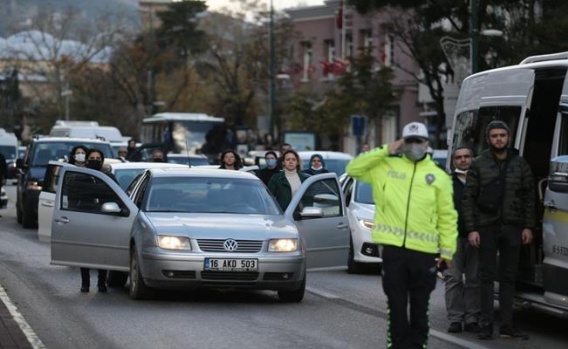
x: 80, y: 157
x: 458, y: 171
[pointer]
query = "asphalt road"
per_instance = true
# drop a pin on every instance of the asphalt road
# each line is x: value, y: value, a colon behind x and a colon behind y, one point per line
x: 339, y: 310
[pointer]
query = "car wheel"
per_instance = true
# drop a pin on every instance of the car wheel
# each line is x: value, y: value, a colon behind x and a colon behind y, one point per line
x: 27, y: 221
x: 116, y: 278
x: 138, y: 289
x: 294, y: 296
x: 352, y: 266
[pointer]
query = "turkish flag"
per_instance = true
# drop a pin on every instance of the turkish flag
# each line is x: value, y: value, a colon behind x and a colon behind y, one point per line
x: 339, y: 16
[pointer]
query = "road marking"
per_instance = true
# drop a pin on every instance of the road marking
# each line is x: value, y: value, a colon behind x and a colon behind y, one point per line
x: 32, y: 337
x: 434, y: 333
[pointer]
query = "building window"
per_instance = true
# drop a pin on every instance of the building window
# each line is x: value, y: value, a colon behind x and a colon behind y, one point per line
x: 329, y: 47
x: 307, y: 60
x: 349, y: 45
x: 366, y: 39
x: 387, y: 54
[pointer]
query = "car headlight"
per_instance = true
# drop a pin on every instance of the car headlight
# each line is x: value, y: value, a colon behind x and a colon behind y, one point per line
x: 173, y: 242
x: 34, y: 186
x: 366, y: 223
x: 283, y: 245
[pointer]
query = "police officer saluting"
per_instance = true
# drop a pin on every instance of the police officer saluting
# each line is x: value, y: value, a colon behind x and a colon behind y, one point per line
x: 415, y: 221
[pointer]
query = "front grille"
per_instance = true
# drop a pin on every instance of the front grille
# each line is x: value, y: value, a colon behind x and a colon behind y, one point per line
x: 229, y: 275
x: 244, y: 246
x: 179, y: 274
x: 278, y: 276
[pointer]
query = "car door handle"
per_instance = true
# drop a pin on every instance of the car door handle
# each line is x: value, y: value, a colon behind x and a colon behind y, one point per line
x: 550, y: 205
x: 63, y: 220
x: 342, y: 226
x: 47, y: 204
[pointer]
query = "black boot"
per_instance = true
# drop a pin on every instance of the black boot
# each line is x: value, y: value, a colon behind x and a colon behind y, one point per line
x: 85, y: 279
x: 101, y: 283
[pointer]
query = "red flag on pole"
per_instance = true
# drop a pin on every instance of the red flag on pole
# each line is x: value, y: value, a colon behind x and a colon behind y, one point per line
x: 339, y: 16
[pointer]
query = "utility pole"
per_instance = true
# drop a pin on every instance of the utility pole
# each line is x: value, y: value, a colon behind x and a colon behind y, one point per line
x: 272, y: 77
x: 474, y: 33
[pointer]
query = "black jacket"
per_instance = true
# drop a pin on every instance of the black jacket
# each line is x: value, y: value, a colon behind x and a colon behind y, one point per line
x: 266, y: 173
x: 499, y: 193
x: 459, y: 187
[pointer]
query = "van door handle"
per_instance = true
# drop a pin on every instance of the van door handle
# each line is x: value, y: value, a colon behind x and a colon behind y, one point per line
x: 62, y: 220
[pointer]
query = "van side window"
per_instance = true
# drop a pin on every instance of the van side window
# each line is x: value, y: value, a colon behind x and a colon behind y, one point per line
x: 563, y: 137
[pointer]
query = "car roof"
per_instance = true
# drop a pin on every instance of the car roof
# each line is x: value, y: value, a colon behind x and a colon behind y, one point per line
x: 70, y: 139
x: 325, y: 154
x: 198, y: 171
x: 201, y: 156
x: 144, y: 165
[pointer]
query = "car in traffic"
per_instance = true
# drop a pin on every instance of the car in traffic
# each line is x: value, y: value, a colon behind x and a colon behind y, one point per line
x: 361, y: 211
x: 334, y: 161
x: 32, y: 171
x: 198, y: 228
x: 124, y: 173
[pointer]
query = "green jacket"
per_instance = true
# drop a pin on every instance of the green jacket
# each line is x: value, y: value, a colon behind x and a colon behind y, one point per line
x: 515, y: 200
x: 414, y: 205
x: 281, y: 189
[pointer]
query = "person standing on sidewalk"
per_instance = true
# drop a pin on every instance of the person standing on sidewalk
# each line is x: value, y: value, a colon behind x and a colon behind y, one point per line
x: 462, y: 298
x: 499, y: 214
x: 415, y: 222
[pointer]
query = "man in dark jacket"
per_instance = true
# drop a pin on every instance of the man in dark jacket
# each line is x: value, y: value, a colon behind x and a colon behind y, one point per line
x: 462, y: 297
x: 499, y: 214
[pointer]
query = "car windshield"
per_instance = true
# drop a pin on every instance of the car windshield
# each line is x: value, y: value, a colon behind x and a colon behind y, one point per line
x: 364, y: 193
x: 332, y: 165
x: 209, y: 195
x: 125, y: 176
x: 47, y: 151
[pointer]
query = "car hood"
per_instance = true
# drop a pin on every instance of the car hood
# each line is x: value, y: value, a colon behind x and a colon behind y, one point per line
x: 222, y: 226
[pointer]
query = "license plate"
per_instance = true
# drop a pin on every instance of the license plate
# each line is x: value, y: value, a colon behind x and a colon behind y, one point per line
x: 230, y: 264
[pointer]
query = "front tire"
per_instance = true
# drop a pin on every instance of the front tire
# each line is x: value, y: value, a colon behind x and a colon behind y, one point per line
x: 138, y: 289
x: 294, y: 296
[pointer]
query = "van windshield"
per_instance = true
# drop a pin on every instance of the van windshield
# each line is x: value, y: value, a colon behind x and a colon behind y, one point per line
x: 469, y: 130
x: 8, y: 151
x: 43, y: 152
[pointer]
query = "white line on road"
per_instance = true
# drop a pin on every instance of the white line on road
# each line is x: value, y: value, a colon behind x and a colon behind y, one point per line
x: 434, y: 333
x: 34, y: 340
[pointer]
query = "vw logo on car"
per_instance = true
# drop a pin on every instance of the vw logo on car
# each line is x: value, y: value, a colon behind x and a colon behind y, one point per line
x: 230, y: 245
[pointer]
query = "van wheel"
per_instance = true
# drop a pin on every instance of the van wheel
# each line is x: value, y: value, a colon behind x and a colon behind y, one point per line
x: 27, y: 221
x: 116, y: 278
x: 352, y: 266
x: 294, y: 296
x: 138, y: 289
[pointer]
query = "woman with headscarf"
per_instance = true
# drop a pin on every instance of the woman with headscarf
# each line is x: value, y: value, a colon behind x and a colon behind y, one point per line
x: 317, y: 166
x: 285, y: 183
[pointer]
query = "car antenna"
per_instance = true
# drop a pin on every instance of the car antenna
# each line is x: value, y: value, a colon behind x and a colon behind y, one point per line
x: 187, y: 149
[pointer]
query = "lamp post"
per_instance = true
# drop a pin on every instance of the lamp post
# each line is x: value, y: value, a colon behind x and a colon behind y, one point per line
x: 272, y: 73
x: 66, y: 93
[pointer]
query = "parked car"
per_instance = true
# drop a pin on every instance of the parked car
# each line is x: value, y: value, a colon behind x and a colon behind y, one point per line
x: 32, y: 171
x: 334, y: 161
x: 360, y: 210
x: 198, y: 228
x: 124, y: 172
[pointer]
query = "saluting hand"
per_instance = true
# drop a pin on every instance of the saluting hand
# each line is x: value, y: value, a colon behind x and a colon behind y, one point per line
x: 394, y: 146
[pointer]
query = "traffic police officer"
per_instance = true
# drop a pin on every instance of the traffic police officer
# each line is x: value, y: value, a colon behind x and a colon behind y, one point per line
x: 415, y: 222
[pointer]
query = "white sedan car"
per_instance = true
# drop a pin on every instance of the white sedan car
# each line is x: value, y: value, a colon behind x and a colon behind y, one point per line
x: 361, y: 210
x: 124, y: 173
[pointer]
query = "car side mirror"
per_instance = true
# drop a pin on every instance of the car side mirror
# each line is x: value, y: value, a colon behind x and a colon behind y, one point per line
x: 112, y: 207
x: 311, y: 212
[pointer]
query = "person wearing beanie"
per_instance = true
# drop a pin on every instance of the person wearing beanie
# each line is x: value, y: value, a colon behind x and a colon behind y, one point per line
x: 285, y: 183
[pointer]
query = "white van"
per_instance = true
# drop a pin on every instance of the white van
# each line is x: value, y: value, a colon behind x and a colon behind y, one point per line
x: 532, y: 98
x: 8, y: 145
x: 87, y: 129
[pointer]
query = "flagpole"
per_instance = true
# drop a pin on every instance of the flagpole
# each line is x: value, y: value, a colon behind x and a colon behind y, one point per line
x: 343, y: 44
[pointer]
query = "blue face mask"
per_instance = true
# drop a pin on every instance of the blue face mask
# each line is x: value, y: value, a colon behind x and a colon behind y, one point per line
x: 270, y: 162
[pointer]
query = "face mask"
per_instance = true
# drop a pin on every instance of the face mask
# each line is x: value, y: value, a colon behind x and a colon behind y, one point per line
x: 414, y: 151
x: 316, y: 168
x: 95, y: 164
x: 458, y: 171
x: 80, y: 157
x: 270, y: 162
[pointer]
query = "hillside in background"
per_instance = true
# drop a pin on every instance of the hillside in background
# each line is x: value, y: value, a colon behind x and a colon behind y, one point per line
x: 15, y: 14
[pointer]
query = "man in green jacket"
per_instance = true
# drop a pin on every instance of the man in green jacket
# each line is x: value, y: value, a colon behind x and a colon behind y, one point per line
x: 499, y: 214
x: 415, y: 221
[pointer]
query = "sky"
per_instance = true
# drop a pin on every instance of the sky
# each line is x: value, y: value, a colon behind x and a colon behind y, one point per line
x: 278, y: 4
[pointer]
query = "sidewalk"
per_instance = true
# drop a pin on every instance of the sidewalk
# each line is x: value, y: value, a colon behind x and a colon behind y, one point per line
x: 11, y: 334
